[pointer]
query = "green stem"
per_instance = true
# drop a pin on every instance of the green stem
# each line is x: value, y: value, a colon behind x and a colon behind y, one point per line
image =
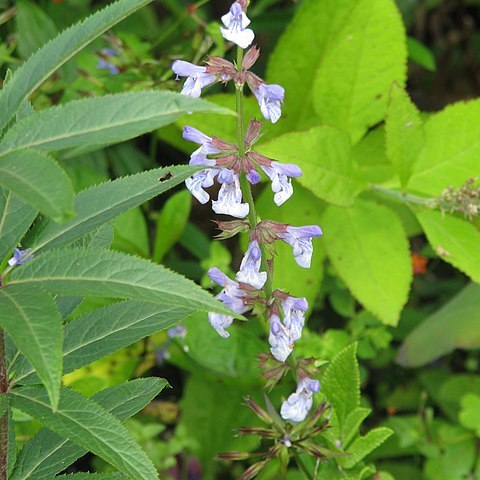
x: 403, y: 197
x: 244, y: 183
x: 4, y: 418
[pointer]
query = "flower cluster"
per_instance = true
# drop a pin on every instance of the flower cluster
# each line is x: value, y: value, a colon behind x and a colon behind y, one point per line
x: 229, y: 164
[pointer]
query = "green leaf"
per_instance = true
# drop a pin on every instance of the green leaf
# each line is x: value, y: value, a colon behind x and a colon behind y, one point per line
x: 403, y: 132
x: 91, y: 476
x: 364, y: 57
x: 47, y: 453
x: 30, y: 317
x: 89, y: 425
x: 324, y: 155
x: 131, y: 233
x: 101, y: 332
x: 469, y: 416
x: 55, y: 53
x: 101, y: 120
x: 362, y: 446
x: 97, y: 205
x: 369, y: 250
x: 455, y: 240
x: 304, y: 209
x: 101, y: 237
x: 101, y: 273
x: 455, y: 325
x: 38, y: 180
x: 341, y: 385
x: 15, y: 219
x: 451, y: 151
x: 352, y: 424
x: 420, y: 54
x: 34, y: 27
x: 171, y: 223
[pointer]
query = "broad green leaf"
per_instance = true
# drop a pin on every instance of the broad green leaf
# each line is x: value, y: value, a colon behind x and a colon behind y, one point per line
x: 451, y: 151
x: 15, y: 219
x: 403, y: 133
x: 303, y: 208
x: 47, y: 453
x: 366, y: 55
x: 38, y: 180
x: 91, y: 476
x: 97, y: 205
x: 455, y: 325
x: 102, y: 273
x: 30, y: 316
x: 54, y: 54
x: 469, y: 416
x: 362, y: 446
x: 34, y: 27
x: 456, y: 241
x: 89, y: 425
x: 341, y: 385
x: 171, y: 223
x: 131, y: 233
x: 369, y: 250
x: 101, y: 237
x: 101, y: 120
x: 101, y: 332
x: 324, y: 155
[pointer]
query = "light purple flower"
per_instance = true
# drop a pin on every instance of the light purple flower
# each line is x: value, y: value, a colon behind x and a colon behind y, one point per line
x: 20, y: 256
x: 250, y: 267
x: 270, y: 99
x: 237, y: 22
x: 178, y: 331
x: 231, y: 296
x: 197, y: 77
x: 200, y: 180
x: 199, y: 156
x: 230, y: 197
x: 294, y: 315
x: 103, y: 64
x: 279, y: 174
x: 300, y: 238
x: 298, y: 404
x: 253, y: 176
x: 281, y: 343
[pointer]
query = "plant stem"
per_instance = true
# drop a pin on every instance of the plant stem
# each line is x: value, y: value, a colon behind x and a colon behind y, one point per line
x: 403, y: 197
x: 4, y: 418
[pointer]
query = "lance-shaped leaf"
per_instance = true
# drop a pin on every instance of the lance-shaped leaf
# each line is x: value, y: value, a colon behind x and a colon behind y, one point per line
x: 38, y: 180
x: 56, y: 52
x: 111, y: 274
x: 102, y: 332
x: 15, y: 218
x: 97, y: 205
x: 91, y: 476
x: 48, y: 453
x: 101, y: 120
x: 30, y: 316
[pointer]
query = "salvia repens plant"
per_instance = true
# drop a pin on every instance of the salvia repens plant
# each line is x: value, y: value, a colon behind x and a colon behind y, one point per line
x: 235, y: 167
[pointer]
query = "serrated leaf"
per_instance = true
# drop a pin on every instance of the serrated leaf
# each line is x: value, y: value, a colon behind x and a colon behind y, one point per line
x: 352, y: 424
x: 89, y: 272
x: 469, y: 415
x: 55, y: 53
x: 403, y: 133
x: 89, y: 425
x: 97, y: 205
x: 30, y: 316
x: 16, y: 217
x: 369, y: 250
x: 341, y: 385
x: 99, y: 333
x: 455, y: 325
x: 346, y: 92
x: 38, y: 180
x: 324, y: 155
x: 101, y: 237
x: 91, y: 476
x: 101, y: 120
x: 455, y: 241
x: 362, y: 446
x: 451, y: 151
